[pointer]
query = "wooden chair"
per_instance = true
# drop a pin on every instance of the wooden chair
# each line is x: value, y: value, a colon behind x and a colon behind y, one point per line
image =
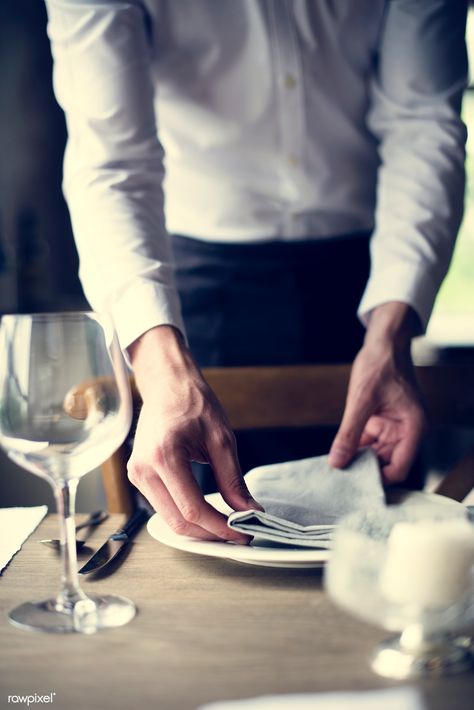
x: 314, y: 396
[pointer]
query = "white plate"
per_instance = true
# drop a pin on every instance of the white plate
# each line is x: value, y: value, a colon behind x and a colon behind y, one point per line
x: 267, y: 555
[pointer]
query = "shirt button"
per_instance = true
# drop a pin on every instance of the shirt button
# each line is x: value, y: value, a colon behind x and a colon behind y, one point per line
x: 293, y: 161
x: 289, y: 81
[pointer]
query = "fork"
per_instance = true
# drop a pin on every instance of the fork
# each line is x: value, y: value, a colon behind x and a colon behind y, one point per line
x: 94, y: 519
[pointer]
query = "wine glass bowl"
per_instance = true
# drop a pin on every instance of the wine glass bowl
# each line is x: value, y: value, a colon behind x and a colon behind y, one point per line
x: 408, y: 571
x: 65, y: 407
x: 46, y: 357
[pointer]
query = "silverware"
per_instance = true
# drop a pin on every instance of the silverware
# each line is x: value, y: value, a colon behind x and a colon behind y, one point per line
x: 115, y: 544
x: 94, y: 519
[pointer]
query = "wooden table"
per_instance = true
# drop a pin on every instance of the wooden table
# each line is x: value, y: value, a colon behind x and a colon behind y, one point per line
x: 207, y: 630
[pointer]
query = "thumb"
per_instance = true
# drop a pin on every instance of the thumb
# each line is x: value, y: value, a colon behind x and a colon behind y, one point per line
x: 230, y: 481
x: 347, y: 440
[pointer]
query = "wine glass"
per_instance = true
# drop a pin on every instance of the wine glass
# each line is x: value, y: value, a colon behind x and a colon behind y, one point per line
x: 65, y: 407
x: 411, y: 571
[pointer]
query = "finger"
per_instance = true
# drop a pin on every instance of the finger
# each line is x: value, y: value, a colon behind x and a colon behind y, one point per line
x: 152, y: 487
x: 230, y: 481
x: 176, y: 474
x: 402, y: 458
x: 384, y: 451
x: 347, y: 439
x: 367, y: 439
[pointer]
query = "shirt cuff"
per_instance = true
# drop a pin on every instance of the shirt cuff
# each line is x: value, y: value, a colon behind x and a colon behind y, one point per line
x: 413, y: 285
x: 144, y: 306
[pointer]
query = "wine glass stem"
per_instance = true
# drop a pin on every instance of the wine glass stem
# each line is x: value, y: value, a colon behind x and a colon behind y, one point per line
x: 71, y: 593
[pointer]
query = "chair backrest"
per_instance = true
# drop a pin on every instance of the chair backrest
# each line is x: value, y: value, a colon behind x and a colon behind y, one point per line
x: 314, y: 396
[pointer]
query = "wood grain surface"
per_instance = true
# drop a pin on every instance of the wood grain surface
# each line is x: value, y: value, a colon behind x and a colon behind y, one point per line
x: 207, y: 630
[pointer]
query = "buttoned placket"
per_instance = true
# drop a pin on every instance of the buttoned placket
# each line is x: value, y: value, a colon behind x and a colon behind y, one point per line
x: 289, y: 89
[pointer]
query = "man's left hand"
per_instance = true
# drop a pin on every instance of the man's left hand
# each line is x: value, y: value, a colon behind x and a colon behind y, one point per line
x: 383, y: 408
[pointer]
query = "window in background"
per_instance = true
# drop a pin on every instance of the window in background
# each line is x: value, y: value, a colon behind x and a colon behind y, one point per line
x: 452, y: 322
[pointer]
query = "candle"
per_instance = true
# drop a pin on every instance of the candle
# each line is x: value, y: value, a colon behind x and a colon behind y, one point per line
x: 428, y: 562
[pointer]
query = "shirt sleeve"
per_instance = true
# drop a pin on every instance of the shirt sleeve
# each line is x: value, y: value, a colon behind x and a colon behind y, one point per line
x: 416, y: 98
x: 113, y: 168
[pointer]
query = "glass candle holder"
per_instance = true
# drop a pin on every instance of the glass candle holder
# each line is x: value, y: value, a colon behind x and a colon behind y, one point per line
x: 411, y: 572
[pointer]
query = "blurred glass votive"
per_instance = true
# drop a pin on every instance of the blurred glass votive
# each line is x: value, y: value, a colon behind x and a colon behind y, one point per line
x: 408, y: 570
x: 428, y: 562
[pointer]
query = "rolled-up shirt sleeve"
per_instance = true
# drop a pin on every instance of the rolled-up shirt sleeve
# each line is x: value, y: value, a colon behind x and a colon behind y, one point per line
x: 416, y: 98
x: 113, y: 168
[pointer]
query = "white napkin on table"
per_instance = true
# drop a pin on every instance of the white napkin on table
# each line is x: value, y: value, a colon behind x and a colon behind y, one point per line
x: 16, y: 525
x: 304, y: 499
x: 407, y: 698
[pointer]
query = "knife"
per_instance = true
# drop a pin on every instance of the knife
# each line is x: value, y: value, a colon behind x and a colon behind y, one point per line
x: 115, y: 543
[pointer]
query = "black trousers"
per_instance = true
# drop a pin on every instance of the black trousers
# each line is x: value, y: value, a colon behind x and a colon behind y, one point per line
x: 272, y: 303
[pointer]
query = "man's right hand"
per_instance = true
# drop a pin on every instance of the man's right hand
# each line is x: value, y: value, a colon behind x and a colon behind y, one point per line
x: 182, y: 421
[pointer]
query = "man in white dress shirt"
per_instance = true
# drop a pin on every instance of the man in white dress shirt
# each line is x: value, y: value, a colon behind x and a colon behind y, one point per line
x: 274, y: 128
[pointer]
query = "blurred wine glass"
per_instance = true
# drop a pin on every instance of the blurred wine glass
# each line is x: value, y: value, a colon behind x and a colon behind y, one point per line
x: 65, y: 407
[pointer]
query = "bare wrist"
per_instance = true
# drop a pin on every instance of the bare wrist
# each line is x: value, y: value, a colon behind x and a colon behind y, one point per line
x: 160, y: 349
x: 392, y: 326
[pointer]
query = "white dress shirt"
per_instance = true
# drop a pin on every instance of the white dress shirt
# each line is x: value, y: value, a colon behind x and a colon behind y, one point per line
x: 259, y: 120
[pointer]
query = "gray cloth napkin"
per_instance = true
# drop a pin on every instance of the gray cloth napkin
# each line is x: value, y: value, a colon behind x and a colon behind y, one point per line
x: 304, y: 499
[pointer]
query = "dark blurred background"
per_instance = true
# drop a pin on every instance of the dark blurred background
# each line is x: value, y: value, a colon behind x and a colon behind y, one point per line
x: 38, y: 259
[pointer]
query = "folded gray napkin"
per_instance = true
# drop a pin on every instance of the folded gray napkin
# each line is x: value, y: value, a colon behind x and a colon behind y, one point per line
x: 304, y: 499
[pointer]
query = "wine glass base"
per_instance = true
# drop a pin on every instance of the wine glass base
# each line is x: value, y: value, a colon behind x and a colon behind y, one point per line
x: 87, y: 616
x: 391, y: 660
